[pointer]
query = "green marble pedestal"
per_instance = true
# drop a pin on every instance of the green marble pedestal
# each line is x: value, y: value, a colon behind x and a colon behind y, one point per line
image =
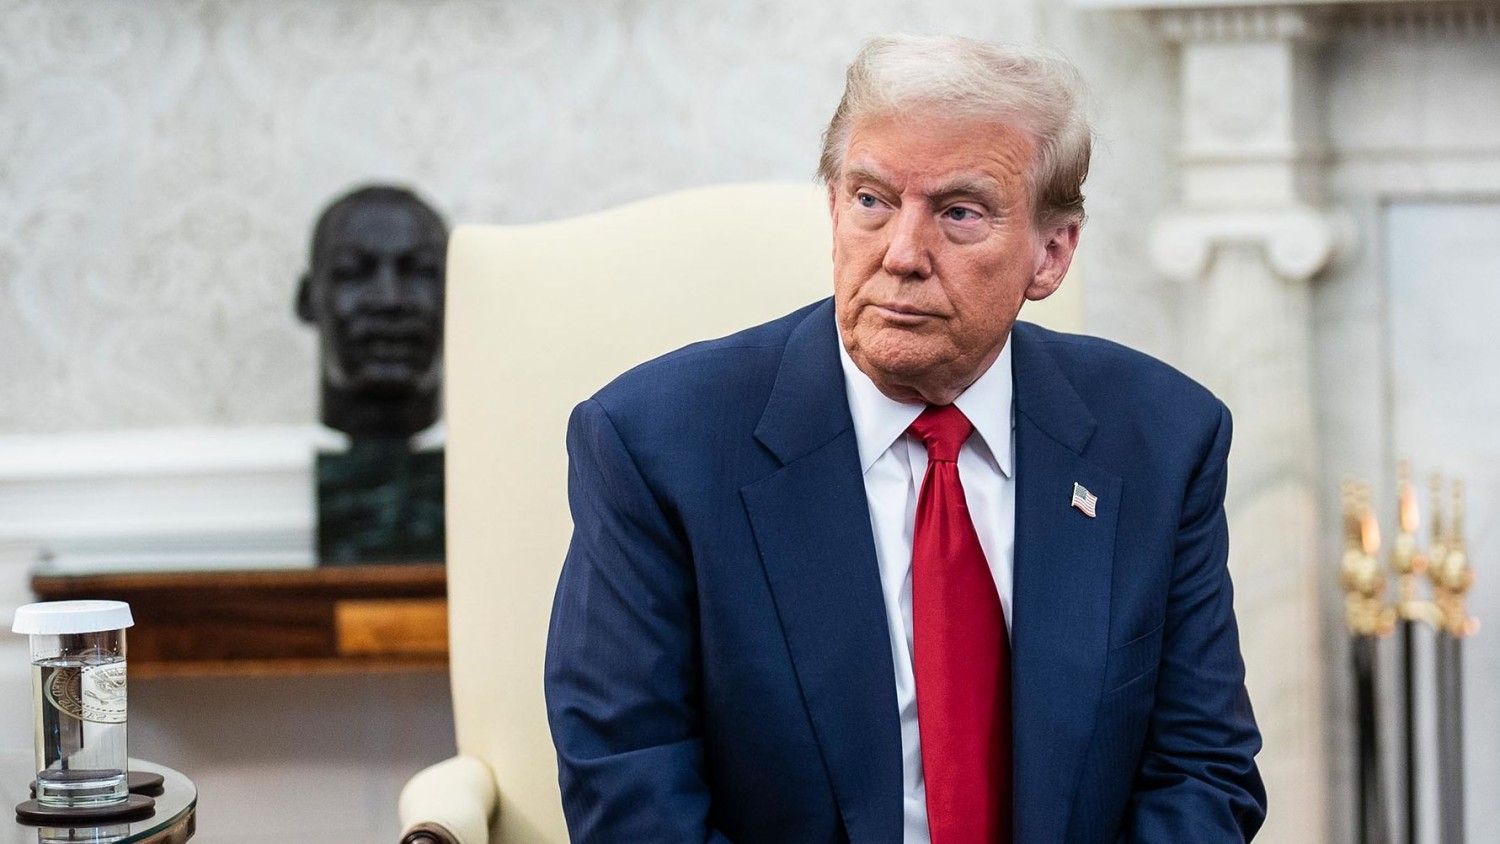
x: 380, y: 502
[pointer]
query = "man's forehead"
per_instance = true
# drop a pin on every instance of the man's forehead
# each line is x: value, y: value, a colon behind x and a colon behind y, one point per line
x: 936, y: 120
x: 384, y: 225
x: 939, y: 154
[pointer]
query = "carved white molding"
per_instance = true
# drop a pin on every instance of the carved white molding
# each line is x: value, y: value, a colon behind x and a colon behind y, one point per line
x: 1250, y: 23
x: 1252, y: 150
x: 1424, y: 20
x: 1297, y: 243
x: 1250, y: 124
x: 1238, y: 20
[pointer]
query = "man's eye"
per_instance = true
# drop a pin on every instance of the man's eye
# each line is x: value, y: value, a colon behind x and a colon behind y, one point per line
x: 865, y: 200
x: 409, y: 265
x: 961, y: 214
x: 351, y: 269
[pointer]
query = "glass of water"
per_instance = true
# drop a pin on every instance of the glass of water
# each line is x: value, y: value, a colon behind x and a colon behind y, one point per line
x: 78, y: 699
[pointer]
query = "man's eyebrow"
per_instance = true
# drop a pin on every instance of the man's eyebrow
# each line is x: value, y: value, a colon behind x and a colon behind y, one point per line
x: 974, y: 184
x: 865, y: 173
x: 963, y: 184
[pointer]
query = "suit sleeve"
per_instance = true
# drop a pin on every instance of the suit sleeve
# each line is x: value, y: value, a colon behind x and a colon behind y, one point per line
x: 622, y: 666
x: 1197, y: 779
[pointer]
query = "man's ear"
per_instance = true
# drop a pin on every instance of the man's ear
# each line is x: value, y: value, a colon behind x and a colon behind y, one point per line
x: 1055, y: 255
x: 833, y: 217
x: 304, y: 299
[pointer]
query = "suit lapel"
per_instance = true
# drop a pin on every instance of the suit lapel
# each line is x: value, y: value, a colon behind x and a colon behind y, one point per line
x: 1063, y: 564
x: 812, y: 526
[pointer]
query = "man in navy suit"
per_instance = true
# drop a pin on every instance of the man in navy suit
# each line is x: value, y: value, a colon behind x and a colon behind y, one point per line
x: 737, y: 644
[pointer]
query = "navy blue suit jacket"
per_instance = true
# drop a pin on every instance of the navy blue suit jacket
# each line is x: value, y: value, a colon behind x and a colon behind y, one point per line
x: 719, y: 667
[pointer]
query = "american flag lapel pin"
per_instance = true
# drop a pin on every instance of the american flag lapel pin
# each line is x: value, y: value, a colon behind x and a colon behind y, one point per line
x: 1084, y: 500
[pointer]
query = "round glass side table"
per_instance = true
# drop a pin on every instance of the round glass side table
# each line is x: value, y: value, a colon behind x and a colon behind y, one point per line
x: 174, y: 821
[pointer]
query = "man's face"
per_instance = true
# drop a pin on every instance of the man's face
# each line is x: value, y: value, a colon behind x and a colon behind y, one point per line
x: 934, y: 250
x: 377, y: 291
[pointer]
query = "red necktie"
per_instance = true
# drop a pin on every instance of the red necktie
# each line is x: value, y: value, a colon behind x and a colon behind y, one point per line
x: 961, y: 652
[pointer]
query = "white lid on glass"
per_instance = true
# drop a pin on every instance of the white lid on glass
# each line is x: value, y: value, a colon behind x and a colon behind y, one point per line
x: 72, y: 617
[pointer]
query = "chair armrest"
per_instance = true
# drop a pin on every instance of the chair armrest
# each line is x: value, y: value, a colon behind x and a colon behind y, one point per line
x: 451, y: 802
x: 426, y: 833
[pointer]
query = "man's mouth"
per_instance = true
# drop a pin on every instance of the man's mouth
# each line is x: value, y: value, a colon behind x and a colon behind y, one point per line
x: 903, y: 314
x: 403, y: 349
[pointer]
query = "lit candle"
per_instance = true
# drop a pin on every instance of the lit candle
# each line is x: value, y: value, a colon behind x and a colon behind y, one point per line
x: 1409, y: 516
x: 1369, y: 533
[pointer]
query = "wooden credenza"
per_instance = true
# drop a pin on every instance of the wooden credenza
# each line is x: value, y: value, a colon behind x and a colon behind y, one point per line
x: 342, y: 619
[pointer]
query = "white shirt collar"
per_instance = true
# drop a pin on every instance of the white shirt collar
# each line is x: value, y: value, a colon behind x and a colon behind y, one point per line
x: 879, y: 419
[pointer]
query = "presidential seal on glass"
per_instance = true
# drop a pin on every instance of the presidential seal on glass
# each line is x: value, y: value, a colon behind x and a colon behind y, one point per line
x: 78, y: 699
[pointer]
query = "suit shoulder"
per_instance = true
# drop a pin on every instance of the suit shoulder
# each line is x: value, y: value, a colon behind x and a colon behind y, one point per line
x: 1114, y: 377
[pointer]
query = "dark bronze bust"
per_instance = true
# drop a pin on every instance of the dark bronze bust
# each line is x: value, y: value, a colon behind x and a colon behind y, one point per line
x: 375, y: 292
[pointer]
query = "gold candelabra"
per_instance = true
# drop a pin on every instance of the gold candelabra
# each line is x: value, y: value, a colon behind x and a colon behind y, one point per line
x: 1444, y: 566
x: 1445, y: 563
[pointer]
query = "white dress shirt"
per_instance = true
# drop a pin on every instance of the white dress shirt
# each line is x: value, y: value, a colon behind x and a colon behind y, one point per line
x: 894, y: 464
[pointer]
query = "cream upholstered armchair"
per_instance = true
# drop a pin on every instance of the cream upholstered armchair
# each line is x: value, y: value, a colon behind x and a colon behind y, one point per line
x: 538, y: 318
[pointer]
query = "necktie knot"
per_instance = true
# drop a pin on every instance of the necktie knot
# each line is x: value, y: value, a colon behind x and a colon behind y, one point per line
x: 943, y: 430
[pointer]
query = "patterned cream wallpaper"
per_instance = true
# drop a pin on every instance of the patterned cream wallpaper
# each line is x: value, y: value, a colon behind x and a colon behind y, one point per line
x: 161, y: 161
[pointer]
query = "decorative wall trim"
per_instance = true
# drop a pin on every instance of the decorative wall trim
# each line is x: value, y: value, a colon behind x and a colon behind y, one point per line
x: 1239, y: 20
x: 1424, y: 20
x: 1254, y: 23
x: 1297, y: 243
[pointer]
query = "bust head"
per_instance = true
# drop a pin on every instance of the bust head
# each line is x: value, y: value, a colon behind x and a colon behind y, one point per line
x: 375, y: 291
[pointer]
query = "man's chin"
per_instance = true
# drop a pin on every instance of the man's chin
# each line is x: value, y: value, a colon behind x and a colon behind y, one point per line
x: 388, y: 381
x: 898, y: 352
x: 912, y: 371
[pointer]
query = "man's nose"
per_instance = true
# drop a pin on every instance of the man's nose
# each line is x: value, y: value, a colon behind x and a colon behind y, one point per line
x: 385, y: 287
x: 909, y: 252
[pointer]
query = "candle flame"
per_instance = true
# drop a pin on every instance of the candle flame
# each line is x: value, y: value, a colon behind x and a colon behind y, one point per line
x: 1409, y: 517
x: 1369, y: 533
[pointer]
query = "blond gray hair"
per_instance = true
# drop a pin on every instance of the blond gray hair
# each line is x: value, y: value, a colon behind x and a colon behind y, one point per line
x: 1031, y: 88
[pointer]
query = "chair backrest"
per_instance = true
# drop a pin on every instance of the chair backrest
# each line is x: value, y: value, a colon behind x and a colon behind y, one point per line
x: 538, y: 318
